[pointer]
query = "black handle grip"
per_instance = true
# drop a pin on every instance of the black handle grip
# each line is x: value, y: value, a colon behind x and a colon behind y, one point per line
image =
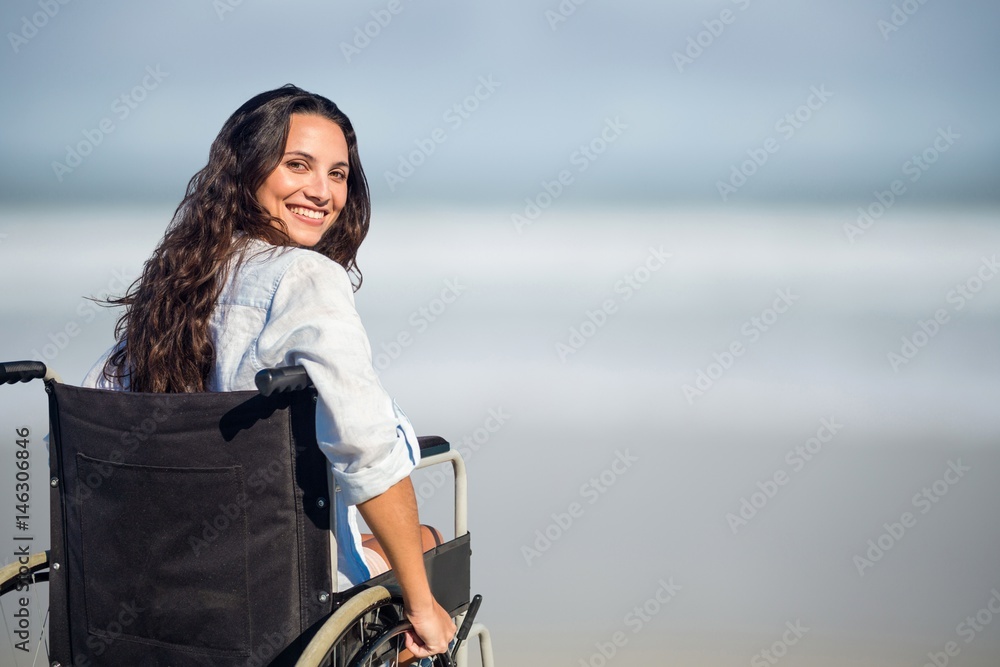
x: 470, y: 617
x: 288, y: 378
x: 21, y: 371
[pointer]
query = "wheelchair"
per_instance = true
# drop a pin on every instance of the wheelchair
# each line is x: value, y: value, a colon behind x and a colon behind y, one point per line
x: 195, y: 529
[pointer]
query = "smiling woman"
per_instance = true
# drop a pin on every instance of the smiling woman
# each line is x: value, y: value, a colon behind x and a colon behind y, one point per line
x: 284, y: 147
x: 254, y: 272
x: 306, y: 192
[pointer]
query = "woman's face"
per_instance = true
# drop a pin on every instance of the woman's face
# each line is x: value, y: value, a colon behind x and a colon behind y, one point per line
x: 308, y: 188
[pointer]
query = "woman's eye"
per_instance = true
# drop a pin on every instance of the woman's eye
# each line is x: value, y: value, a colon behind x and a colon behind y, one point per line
x: 295, y: 164
x: 339, y: 175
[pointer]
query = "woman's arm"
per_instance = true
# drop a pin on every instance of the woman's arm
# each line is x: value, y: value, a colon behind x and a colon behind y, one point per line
x: 312, y: 321
x: 392, y: 517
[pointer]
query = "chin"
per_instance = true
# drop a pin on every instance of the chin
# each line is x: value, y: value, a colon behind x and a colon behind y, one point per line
x: 306, y: 238
x: 305, y: 242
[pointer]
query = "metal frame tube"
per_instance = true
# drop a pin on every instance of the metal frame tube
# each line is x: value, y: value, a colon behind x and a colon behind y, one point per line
x: 461, y: 528
x: 461, y: 486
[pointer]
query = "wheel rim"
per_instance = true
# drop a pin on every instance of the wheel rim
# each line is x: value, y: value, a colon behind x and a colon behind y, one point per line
x: 377, y: 638
x: 383, y: 650
x: 377, y: 632
x: 367, y: 630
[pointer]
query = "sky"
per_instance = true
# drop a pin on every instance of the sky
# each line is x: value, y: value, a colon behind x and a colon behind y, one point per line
x: 694, y: 90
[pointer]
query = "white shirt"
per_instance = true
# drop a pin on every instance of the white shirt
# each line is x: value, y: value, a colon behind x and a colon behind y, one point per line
x: 286, y: 306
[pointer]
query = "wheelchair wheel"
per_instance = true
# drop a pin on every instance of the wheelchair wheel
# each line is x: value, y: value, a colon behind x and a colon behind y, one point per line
x: 366, y: 631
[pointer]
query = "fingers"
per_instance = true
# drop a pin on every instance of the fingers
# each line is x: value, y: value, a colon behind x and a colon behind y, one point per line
x: 416, y: 647
x: 429, y: 639
x: 432, y: 631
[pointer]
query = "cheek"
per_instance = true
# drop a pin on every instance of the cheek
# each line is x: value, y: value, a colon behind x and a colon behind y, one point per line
x: 274, y: 189
x: 265, y: 195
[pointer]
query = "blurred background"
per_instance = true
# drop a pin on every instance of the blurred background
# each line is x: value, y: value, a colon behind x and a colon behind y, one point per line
x: 704, y: 291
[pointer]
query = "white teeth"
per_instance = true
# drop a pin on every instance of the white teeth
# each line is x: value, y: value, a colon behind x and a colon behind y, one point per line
x: 315, y: 215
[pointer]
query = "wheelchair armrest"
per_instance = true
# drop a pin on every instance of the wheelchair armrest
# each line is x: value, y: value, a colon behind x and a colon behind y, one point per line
x: 435, y: 450
x: 431, y: 445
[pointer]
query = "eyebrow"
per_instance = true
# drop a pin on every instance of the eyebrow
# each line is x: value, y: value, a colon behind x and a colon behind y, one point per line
x: 312, y: 159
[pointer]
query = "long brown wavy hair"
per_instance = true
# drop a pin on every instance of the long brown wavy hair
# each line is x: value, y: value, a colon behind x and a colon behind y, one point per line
x: 163, y: 336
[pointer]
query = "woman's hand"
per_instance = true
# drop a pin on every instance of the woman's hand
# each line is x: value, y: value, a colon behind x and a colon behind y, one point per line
x: 433, y: 630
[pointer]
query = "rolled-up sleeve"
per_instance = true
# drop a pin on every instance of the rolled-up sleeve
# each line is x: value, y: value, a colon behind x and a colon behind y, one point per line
x: 313, y: 321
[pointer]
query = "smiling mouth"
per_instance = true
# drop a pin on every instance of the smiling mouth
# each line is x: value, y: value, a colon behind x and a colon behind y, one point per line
x: 307, y: 212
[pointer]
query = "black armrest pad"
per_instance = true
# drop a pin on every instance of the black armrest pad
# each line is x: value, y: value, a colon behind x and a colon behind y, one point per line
x: 433, y: 444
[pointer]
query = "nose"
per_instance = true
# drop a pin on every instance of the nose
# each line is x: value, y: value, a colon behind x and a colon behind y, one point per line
x: 317, y: 188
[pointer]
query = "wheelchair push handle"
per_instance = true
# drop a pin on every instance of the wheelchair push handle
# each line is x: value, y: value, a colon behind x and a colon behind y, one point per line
x: 12, y: 372
x: 276, y: 380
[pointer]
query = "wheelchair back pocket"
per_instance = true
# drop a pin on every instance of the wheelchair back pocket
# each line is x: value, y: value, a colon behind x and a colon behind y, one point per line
x: 164, y: 552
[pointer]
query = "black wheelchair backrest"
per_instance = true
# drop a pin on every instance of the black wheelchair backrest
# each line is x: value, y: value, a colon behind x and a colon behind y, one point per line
x: 188, y: 528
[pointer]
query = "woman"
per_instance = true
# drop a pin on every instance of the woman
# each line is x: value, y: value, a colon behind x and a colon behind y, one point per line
x: 253, y: 272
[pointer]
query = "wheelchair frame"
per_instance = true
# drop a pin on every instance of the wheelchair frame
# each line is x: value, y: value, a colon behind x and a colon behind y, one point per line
x: 356, y: 607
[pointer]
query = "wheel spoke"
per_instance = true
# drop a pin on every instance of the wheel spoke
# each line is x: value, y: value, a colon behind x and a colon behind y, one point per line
x: 369, y: 629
